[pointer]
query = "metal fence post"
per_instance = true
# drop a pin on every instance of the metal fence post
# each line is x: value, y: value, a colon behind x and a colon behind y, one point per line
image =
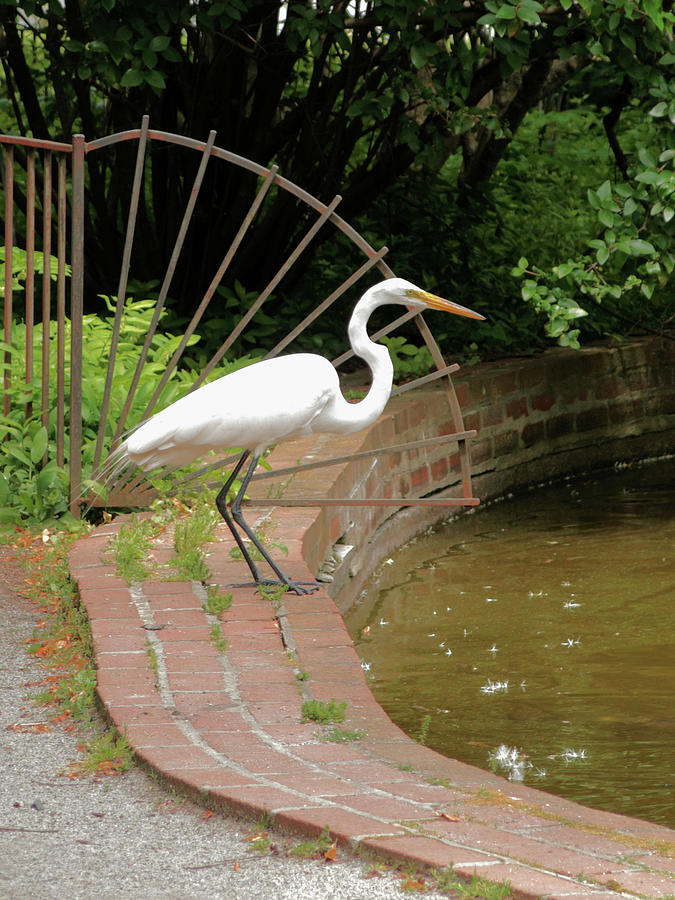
x: 76, y: 312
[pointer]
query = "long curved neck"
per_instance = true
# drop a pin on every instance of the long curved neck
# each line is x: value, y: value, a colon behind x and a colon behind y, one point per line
x: 359, y: 415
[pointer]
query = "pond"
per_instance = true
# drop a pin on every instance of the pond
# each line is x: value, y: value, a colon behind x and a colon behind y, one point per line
x: 535, y: 637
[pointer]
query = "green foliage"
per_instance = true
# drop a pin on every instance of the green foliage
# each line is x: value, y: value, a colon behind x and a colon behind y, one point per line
x: 216, y: 601
x: 313, y: 849
x: 424, y: 730
x: 409, y: 361
x: 324, y: 712
x: 191, y: 533
x: 20, y: 268
x: 217, y: 638
x: 358, y: 95
x: 131, y: 547
x: 447, y: 881
x: 630, y: 262
x: 342, y: 736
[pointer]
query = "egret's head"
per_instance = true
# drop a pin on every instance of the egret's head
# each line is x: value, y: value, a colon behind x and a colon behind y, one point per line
x: 398, y: 290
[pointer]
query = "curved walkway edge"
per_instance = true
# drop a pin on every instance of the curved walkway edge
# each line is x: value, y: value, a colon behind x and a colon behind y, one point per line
x: 227, y: 726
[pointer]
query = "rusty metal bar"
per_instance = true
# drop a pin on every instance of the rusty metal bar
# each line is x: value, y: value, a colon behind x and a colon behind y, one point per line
x: 257, y: 169
x: 76, y: 315
x: 248, y: 315
x: 46, y: 284
x: 168, y: 278
x: 392, y: 326
x: 366, y: 454
x: 374, y: 501
x: 322, y: 307
x: 30, y: 268
x: 61, y: 312
x: 9, y: 253
x: 122, y: 286
x: 425, y: 379
x: 38, y: 143
x: 227, y: 259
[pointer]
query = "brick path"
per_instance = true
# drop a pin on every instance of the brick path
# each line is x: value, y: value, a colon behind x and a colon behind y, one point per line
x: 227, y: 727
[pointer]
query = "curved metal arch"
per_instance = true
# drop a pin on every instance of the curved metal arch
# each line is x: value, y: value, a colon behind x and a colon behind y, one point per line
x: 325, y: 216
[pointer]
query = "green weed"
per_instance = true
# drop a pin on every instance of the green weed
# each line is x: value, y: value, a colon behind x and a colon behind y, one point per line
x: 130, y: 548
x: 424, y: 730
x: 217, y: 638
x: 316, y: 848
x: 479, y: 888
x: 106, y: 754
x: 323, y: 712
x: 342, y: 736
x: 216, y: 601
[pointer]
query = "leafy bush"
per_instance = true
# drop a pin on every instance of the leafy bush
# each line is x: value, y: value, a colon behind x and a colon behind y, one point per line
x: 37, y: 493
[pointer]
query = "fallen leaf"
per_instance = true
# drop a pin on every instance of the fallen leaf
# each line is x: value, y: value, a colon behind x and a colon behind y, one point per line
x: 28, y: 727
x: 236, y: 867
x: 208, y: 813
x: 449, y: 818
x: 331, y: 853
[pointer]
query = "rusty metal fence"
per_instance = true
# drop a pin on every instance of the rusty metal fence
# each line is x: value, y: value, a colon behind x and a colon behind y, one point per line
x: 50, y: 219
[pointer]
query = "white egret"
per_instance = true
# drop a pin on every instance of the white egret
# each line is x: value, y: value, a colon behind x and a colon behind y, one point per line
x: 272, y: 401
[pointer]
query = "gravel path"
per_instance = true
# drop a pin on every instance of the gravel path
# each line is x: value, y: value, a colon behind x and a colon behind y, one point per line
x: 125, y: 836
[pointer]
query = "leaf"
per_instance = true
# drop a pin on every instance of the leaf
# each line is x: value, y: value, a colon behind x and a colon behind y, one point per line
x: 659, y: 110
x: 160, y: 42
x: 131, y: 78
x: 331, y: 853
x: 40, y: 442
x: 418, y: 56
x: 641, y: 248
x: 506, y: 12
x: 604, y: 192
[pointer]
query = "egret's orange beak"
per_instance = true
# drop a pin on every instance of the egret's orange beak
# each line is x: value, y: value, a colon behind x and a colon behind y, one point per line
x: 435, y: 302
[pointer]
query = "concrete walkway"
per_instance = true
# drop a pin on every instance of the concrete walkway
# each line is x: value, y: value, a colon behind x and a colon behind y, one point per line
x: 227, y: 728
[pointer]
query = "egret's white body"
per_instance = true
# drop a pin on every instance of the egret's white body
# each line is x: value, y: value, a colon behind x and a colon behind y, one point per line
x: 223, y: 414
x: 275, y: 400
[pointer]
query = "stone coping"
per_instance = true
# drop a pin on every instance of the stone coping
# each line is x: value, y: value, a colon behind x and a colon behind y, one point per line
x: 228, y: 728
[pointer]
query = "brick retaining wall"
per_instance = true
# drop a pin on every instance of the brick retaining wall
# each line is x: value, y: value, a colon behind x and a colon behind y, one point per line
x: 536, y: 418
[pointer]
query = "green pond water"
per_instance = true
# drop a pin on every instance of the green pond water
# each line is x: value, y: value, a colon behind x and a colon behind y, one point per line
x: 537, y: 636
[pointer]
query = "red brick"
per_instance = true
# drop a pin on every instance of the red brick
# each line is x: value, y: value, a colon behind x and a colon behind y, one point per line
x: 424, y: 850
x: 517, y: 408
x: 543, y: 401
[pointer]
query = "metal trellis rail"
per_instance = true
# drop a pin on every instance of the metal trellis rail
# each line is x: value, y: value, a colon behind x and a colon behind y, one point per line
x: 44, y: 201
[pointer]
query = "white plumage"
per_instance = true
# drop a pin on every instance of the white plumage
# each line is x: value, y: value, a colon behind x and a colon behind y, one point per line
x: 272, y: 401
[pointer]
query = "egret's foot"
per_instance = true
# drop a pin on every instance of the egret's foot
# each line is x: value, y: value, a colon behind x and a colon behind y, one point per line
x: 298, y: 587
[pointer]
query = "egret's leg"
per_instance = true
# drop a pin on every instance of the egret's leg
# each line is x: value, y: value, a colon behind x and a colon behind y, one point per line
x: 221, y: 504
x: 238, y: 517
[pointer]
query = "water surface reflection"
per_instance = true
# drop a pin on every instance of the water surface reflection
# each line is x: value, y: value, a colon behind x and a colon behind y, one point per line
x: 537, y: 635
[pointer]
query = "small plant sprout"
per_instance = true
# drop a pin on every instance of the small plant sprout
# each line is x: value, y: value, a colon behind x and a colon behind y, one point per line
x: 323, y: 712
x: 216, y: 601
x: 342, y: 736
x: 424, y: 730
